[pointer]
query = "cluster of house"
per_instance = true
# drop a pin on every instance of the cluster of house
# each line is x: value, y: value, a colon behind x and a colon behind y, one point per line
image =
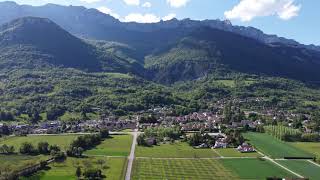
x: 246, y: 148
x: 56, y: 127
x: 190, y: 122
x: 199, y: 121
x: 221, y: 142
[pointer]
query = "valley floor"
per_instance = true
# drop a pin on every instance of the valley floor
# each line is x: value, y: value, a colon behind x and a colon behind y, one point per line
x: 175, y: 160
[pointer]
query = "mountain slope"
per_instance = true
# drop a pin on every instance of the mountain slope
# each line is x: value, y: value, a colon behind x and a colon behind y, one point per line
x: 25, y: 41
x: 207, y: 50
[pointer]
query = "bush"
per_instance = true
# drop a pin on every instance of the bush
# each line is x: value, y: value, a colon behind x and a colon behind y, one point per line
x: 104, y: 133
x: 93, y: 174
x: 5, y: 149
x: 141, y: 140
x: 27, y: 148
x: 312, y: 137
x: 43, y: 147
x: 75, y: 151
x: 58, y: 156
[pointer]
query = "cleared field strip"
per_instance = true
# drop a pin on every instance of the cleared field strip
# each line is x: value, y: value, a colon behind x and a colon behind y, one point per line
x: 274, y: 148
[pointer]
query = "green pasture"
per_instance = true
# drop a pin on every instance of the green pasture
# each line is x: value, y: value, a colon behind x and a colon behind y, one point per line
x: 273, y: 147
x: 302, y: 167
x: 146, y: 169
x: 117, y: 145
x: 174, y: 150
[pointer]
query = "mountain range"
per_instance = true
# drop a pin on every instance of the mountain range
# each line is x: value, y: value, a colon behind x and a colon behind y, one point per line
x: 64, y: 58
x: 165, y: 52
x: 93, y: 24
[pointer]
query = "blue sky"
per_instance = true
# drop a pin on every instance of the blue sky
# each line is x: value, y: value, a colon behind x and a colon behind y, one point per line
x: 295, y: 19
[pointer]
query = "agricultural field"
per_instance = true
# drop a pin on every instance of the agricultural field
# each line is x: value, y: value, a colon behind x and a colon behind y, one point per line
x: 145, y: 169
x: 255, y: 169
x: 311, y: 147
x: 117, y: 145
x: 63, y: 141
x: 273, y: 147
x: 302, y: 167
x: 232, y: 152
x: 175, y: 150
x: 113, y: 169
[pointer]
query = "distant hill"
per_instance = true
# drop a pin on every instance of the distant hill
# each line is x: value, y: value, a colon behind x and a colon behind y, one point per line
x: 34, y: 42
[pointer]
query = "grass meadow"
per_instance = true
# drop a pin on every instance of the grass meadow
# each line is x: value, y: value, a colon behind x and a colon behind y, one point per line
x: 255, y: 169
x: 117, y: 145
x: 174, y: 150
x: 145, y: 169
x: 311, y: 147
x: 232, y: 152
x: 19, y: 161
x: 273, y: 147
x: 302, y: 167
x: 113, y: 169
x: 63, y: 141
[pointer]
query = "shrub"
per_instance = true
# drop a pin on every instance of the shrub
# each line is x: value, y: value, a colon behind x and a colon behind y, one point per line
x: 27, y: 148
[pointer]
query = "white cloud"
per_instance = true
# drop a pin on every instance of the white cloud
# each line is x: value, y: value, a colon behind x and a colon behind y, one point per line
x: 132, y: 2
x: 177, y: 3
x: 147, y: 18
x: 246, y: 10
x: 106, y: 10
x: 147, y: 5
x: 141, y: 18
x: 90, y: 1
x: 169, y: 17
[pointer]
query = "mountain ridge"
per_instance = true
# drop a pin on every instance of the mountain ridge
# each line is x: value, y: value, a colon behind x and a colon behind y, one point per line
x: 77, y: 18
x: 161, y: 56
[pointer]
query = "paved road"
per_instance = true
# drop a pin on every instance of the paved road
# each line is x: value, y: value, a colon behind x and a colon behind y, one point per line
x: 131, y: 156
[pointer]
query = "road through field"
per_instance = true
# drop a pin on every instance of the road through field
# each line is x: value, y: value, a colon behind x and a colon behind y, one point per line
x: 274, y: 162
x: 131, y: 156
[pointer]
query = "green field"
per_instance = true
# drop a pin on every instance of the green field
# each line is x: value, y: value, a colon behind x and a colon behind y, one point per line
x: 273, y: 147
x: 114, y: 169
x: 175, y: 150
x: 145, y: 169
x: 232, y: 152
x: 117, y: 145
x: 255, y: 169
x: 311, y: 147
x: 302, y: 167
x: 63, y: 141
x: 19, y: 161
x: 232, y: 83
